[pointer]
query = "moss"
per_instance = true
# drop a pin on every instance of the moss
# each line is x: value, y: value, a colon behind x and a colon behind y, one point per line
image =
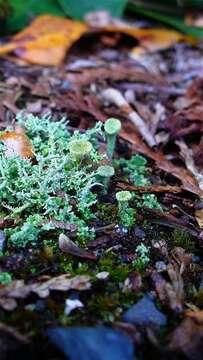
x: 182, y: 239
x: 107, y: 212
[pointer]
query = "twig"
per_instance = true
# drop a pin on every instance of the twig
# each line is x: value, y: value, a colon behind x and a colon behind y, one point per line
x: 148, y: 88
x: 114, y: 96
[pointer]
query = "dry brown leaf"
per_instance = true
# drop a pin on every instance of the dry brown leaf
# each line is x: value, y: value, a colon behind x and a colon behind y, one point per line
x: 196, y: 315
x: 187, y: 339
x: 189, y: 183
x: 19, y: 290
x: 17, y: 144
x: 67, y: 246
x: 46, y: 40
x: 199, y: 217
x: 154, y: 188
x: 170, y: 293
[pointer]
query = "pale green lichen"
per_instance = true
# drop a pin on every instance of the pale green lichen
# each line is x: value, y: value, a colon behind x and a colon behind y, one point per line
x: 58, y: 185
x: 105, y: 173
x: 80, y: 148
x: 49, y: 187
x: 126, y: 214
x: 111, y: 127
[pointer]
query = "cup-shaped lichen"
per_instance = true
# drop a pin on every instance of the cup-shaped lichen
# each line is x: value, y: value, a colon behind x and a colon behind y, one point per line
x: 112, y: 127
x: 105, y: 172
x: 79, y: 149
x: 123, y: 198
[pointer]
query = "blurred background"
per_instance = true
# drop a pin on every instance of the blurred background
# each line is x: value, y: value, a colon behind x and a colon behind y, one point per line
x: 184, y: 15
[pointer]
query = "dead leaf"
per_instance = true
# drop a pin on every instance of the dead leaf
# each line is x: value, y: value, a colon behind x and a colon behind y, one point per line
x: 187, y: 339
x: 68, y: 226
x: 170, y: 293
x: 182, y: 258
x: 46, y: 40
x: 62, y: 283
x: 17, y: 144
x: 196, y: 315
x: 19, y: 290
x: 187, y: 154
x: 189, y: 183
x: 152, y: 39
x: 67, y: 246
x: 199, y: 217
x: 154, y: 188
x: 116, y: 72
x: 133, y: 282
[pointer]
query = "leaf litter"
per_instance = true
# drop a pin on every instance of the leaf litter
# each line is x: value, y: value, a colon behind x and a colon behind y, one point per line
x: 160, y: 109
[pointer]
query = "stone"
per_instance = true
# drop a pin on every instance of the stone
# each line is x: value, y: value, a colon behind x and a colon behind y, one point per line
x: 145, y: 313
x: 89, y: 343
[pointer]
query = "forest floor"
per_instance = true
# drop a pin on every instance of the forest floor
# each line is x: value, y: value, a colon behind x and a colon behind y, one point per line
x: 97, y: 282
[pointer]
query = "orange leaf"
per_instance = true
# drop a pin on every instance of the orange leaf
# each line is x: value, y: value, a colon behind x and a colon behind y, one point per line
x: 17, y: 144
x: 153, y: 39
x: 46, y: 40
x: 196, y: 315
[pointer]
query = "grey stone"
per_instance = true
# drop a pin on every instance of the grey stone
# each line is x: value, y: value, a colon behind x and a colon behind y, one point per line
x: 145, y: 313
x: 86, y: 343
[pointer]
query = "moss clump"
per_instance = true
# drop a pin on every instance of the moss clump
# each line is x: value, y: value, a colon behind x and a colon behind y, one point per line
x: 182, y: 239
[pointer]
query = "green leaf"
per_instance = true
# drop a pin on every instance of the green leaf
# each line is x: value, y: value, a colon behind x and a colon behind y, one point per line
x: 177, y: 23
x: 77, y: 10
x: 23, y: 11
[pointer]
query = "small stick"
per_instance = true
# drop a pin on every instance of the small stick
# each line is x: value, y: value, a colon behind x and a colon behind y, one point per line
x: 114, y: 96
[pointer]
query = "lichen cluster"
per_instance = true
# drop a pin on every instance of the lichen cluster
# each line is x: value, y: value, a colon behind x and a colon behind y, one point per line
x: 54, y: 187
x: 65, y: 181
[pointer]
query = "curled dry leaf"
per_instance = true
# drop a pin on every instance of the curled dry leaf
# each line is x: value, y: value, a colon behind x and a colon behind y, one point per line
x: 17, y: 144
x: 67, y: 246
x: 170, y: 293
x: 19, y: 290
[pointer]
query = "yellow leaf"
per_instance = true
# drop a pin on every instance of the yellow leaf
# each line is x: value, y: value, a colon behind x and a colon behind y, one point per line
x: 153, y: 39
x: 46, y: 40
